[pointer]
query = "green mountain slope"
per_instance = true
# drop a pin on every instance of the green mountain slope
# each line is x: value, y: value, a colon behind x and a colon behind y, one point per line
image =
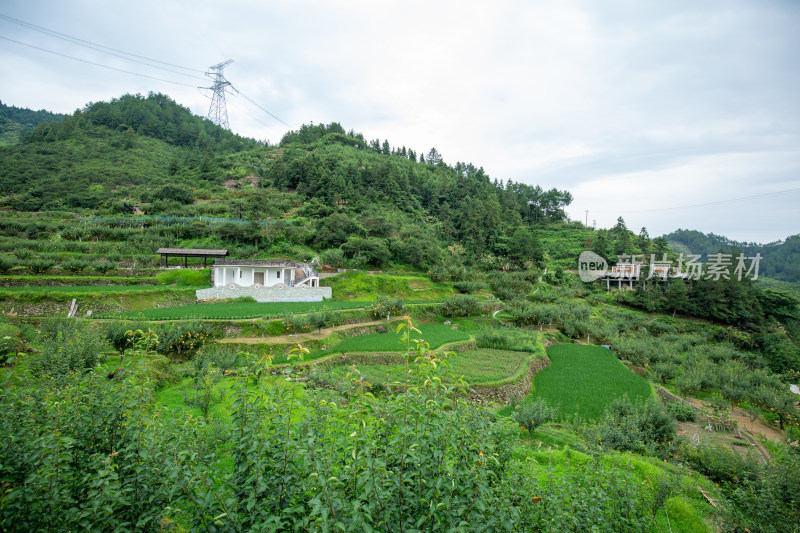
x: 115, y: 150
x: 16, y: 122
x: 780, y: 260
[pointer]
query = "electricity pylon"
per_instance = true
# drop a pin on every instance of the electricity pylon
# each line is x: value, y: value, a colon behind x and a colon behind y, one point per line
x: 218, y: 112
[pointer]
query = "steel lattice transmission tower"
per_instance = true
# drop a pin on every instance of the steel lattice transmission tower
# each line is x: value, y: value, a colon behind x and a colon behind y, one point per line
x: 218, y: 112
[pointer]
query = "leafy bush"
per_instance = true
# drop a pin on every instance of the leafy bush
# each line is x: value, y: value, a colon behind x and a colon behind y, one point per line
x: 10, y: 341
x: 469, y: 286
x: 383, y: 306
x: 532, y: 413
x: 664, y: 372
x: 461, y: 305
x: 293, y: 324
x: 639, y: 427
x: 6, y: 264
x: 114, y: 331
x: 181, y: 338
x: 68, y: 346
x: 333, y: 258
x: 74, y: 266
x: 103, y: 267
x: 683, y: 412
x: 40, y: 266
x: 221, y: 357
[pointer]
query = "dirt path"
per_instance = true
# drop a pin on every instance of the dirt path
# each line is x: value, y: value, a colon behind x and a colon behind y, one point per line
x: 756, y: 427
x: 750, y: 431
x: 301, y: 337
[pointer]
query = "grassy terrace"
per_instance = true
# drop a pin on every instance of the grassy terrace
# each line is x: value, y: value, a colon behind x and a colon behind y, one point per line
x: 434, y: 334
x: 477, y: 367
x: 89, y: 289
x: 233, y: 310
x: 583, y: 380
x: 240, y: 310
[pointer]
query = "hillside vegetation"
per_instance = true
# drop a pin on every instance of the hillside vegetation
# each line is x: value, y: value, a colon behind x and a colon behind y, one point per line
x: 781, y: 260
x: 455, y: 381
x: 16, y: 122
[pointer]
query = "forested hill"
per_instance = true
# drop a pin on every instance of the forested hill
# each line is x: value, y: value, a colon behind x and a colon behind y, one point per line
x: 112, y: 150
x: 780, y: 260
x: 342, y: 172
x: 138, y: 149
x: 16, y: 122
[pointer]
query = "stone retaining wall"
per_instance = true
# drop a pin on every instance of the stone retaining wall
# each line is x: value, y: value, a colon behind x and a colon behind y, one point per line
x: 508, y: 392
x: 267, y: 294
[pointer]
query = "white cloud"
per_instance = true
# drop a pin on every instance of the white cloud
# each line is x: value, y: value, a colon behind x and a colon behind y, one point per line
x: 564, y: 94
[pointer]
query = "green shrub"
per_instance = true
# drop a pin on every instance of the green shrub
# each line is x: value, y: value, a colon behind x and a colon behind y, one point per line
x: 468, y: 287
x: 333, y: 258
x: 6, y: 264
x: 293, y: 324
x: 103, y: 267
x: 683, y: 412
x: 40, y: 266
x: 114, y: 332
x: 222, y: 357
x: 74, y: 266
x: 181, y: 338
x: 383, y: 306
x: 664, y: 372
x: 639, y: 427
x: 10, y: 341
x: 461, y: 305
x: 68, y: 346
x: 532, y: 413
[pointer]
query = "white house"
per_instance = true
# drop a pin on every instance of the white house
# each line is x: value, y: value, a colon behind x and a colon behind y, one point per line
x: 258, y: 273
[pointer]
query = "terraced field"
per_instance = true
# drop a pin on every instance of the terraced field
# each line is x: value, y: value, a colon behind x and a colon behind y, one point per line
x: 583, y: 380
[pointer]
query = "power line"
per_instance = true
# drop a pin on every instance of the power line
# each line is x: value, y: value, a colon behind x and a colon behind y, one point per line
x: 243, y: 110
x: 101, y: 48
x: 716, y: 202
x: 94, y: 63
x: 261, y: 108
x: 217, y: 112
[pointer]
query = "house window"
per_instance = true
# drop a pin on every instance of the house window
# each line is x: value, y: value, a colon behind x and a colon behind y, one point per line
x: 278, y: 274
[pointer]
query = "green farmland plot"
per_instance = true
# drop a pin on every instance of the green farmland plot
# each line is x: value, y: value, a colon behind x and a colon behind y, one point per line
x: 583, y: 380
x: 477, y: 367
x: 233, y: 310
x: 434, y: 334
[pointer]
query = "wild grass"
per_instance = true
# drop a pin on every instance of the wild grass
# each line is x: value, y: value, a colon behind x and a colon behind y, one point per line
x: 583, y: 380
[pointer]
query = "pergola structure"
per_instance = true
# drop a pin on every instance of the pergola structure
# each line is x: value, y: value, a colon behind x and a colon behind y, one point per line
x: 186, y: 253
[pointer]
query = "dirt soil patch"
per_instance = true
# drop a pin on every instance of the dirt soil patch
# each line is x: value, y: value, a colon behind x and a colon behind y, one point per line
x: 749, y: 435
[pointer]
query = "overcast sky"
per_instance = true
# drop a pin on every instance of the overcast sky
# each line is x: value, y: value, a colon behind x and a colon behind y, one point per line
x: 670, y: 114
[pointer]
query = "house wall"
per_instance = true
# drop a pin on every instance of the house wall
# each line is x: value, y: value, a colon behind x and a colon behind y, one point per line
x: 268, y: 294
x: 244, y: 276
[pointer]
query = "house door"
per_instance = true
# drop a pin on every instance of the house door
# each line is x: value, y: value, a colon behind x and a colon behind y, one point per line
x: 258, y: 277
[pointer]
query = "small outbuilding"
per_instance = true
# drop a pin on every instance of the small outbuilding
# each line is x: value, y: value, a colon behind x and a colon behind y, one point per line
x: 185, y: 253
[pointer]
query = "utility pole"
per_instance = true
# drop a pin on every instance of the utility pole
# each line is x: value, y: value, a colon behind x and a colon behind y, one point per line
x: 587, y: 218
x: 218, y: 112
